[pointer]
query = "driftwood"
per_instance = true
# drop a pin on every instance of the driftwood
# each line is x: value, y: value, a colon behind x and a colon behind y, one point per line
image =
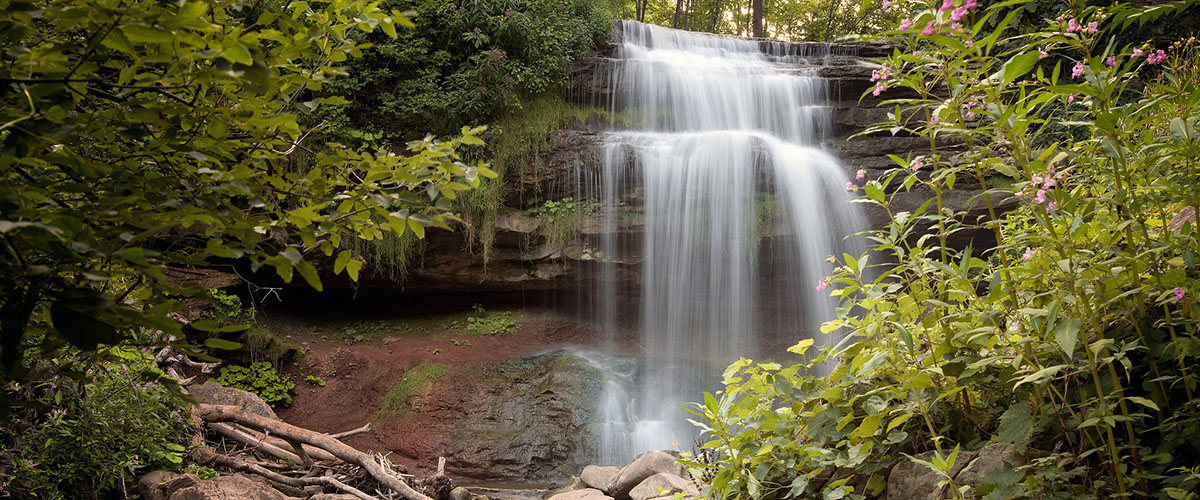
x: 211, y: 457
x: 221, y: 414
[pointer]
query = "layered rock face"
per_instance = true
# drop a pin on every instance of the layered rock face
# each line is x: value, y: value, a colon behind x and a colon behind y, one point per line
x: 522, y: 261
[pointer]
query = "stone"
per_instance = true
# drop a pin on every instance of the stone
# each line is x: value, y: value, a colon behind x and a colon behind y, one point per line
x: 645, y: 465
x: 213, y: 393
x: 909, y: 480
x: 228, y: 488
x: 599, y: 477
x: 160, y: 484
x: 459, y: 493
x: 575, y: 483
x: 662, y: 484
x: 584, y: 494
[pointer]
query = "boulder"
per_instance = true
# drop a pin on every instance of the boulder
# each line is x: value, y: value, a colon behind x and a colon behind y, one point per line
x: 458, y: 493
x: 573, y: 484
x: 599, y: 477
x: 213, y: 393
x: 160, y: 484
x: 645, y: 465
x: 909, y: 480
x: 584, y: 494
x: 662, y: 484
x: 228, y: 488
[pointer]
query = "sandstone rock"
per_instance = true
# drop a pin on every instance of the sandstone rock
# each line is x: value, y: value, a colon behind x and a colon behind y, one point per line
x: 213, y: 393
x: 599, y: 477
x: 160, y: 484
x: 573, y: 484
x: 662, y: 484
x: 645, y: 465
x: 228, y: 488
x: 911, y: 481
x: 459, y: 493
x: 584, y: 494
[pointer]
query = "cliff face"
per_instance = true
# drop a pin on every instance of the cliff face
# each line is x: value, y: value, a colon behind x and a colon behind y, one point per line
x: 522, y: 261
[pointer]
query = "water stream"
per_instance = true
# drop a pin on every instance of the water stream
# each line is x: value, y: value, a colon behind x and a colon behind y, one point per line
x: 717, y: 148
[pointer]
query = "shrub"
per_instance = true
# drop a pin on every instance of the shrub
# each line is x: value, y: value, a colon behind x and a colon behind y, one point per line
x: 261, y: 379
x: 1074, y: 339
x: 92, y: 435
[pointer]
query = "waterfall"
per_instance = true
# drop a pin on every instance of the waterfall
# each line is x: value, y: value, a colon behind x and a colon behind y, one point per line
x: 717, y: 140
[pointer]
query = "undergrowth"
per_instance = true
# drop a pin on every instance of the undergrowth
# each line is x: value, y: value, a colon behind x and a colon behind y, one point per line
x: 409, y: 392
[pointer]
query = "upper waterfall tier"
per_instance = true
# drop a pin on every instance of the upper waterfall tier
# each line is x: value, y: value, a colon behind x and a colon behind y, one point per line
x: 679, y: 81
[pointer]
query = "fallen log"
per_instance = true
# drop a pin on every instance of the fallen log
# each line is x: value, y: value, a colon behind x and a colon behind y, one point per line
x: 210, y: 457
x: 220, y: 413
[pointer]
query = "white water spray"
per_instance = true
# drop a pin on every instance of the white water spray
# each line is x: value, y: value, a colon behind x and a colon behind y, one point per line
x: 721, y: 135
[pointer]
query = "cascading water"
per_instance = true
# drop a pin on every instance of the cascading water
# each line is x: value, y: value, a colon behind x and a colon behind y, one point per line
x: 718, y: 143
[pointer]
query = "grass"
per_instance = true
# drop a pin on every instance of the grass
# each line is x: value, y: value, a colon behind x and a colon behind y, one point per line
x: 416, y: 381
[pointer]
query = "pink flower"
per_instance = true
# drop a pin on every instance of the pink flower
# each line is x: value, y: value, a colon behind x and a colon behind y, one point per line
x: 1092, y: 27
x: 1042, y: 54
x: 1037, y: 179
x: 1138, y: 53
x: 1072, y: 26
x: 1156, y: 57
x: 905, y: 24
x: 1111, y: 61
x: 861, y: 174
x: 879, y: 87
x: 1028, y: 253
x: 887, y: 4
x: 1050, y: 169
x: 1053, y: 205
x: 1049, y: 182
x: 970, y: 4
x: 916, y: 164
x: 1179, y: 294
x: 821, y: 285
x: 850, y: 186
x: 1071, y: 98
x: 1077, y: 71
x: 958, y: 13
x: 1041, y: 197
x: 928, y: 29
x: 946, y: 5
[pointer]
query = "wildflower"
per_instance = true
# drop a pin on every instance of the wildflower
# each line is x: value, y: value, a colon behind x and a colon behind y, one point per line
x: 1041, y: 197
x: 1179, y: 294
x: 1138, y: 53
x: 1049, y: 182
x: 946, y: 5
x: 821, y: 285
x: 970, y: 4
x: 1071, y: 98
x: 879, y: 87
x: 1092, y: 27
x: 851, y: 187
x: 958, y: 13
x: 1042, y: 54
x: 928, y: 29
x: 905, y: 24
x: 1111, y: 61
x: 1014, y: 327
x: 1072, y: 26
x: 1053, y: 205
x: 1028, y: 253
x: 861, y: 174
x: 916, y: 164
x: 1050, y: 169
x: 958, y: 27
x: 887, y: 4
x: 1037, y: 179
x: 1156, y: 57
x: 1077, y: 71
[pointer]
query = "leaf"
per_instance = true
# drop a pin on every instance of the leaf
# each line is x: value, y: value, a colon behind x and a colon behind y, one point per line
x: 237, y: 54
x: 1016, y: 67
x: 143, y: 34
x: 352, y: 268
x: 1016, y: 426
x: 77, y: 316
x: 222, y: 344
x: 801, y: 346
x: 1066, y: 334
x: 1144, y: 402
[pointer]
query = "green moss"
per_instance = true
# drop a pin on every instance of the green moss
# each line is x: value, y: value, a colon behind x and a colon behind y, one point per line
x: 401, y: 397
x: 391, y: 256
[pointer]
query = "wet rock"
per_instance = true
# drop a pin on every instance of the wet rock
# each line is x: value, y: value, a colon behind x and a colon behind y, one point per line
x: 160, y: 484
x: 645, y: 465
x: 213, y: 393
x: 599, y: 477
x: 662, y: 484
x: 228, y: 488
x: 584, y: 494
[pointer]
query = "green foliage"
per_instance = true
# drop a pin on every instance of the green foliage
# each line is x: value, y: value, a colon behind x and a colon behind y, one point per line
x: 83, y: 437
x: 143, y: 135
x: 228, y: 310
x: 405, y: 395
x: 200, y: 471
x: 464, y: 62
x: 261, y: 379
x: 560, y: 222
x: 493, y: 323
x: 1074, y: 339
x: 359, y: 331
x: 315, y: 380
x: 807, y: 20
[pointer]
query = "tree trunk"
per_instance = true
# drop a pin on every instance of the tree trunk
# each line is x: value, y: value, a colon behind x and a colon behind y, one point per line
x: 678, y: 8
x: 712, y: 21
x: 756, y: 6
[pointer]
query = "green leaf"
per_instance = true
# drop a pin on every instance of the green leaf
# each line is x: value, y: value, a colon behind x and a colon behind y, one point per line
x: 1016, y: 426
x: 143, y: 34
x: 1066, y: 334
x: 1144, y: 402
x: 222, y: 344
x: 238, y: 54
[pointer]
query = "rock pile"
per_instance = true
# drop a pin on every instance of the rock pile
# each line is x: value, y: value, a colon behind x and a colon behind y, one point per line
x: 652, y: 475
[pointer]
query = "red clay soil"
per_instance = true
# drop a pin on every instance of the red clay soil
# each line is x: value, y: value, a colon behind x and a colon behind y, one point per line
x: 358, y: 374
